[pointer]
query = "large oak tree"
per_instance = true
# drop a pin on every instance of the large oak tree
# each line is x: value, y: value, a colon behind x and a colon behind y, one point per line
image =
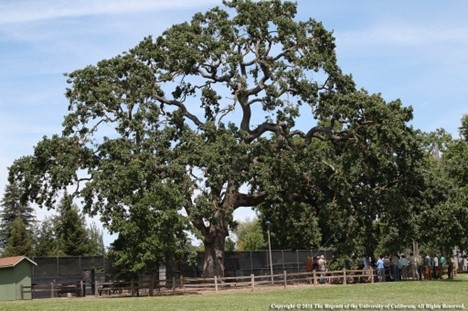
x: 229, y: 111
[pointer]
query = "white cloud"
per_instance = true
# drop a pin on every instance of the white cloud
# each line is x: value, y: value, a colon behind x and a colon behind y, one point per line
x: 33, y: 10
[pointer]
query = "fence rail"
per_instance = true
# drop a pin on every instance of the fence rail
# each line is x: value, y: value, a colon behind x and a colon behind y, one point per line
x: 344, y: 276
x: 186, y: 284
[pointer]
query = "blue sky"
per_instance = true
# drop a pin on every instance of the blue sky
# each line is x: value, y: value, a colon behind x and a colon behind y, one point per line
x: 416, y: 51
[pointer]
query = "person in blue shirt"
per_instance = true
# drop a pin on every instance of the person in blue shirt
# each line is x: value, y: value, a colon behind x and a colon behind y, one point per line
x: 380, y: 269
x: 428, y: 266
x: 442, y: 263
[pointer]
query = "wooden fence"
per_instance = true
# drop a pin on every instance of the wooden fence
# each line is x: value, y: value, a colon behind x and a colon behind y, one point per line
x: 185, y: 284
x: 284, y: 279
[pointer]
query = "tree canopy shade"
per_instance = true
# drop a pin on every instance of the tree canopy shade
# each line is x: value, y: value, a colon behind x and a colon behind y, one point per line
x: 225, y: 111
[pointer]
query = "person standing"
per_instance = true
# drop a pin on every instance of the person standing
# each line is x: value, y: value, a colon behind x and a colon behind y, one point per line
x: 308, y: 264
x: 380, y: 265
x: 366, y: 262
x: 322, y: 267
x: 396, y: 267
x: 413, y: 267
x: 427, y: 267
x: 442, y: 264
x: 404, y: 267
x: 455, y: 266
x: 450, y: 268
x: 435, y: 267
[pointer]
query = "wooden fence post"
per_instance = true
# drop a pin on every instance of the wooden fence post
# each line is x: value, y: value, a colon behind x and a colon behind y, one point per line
x: 372, y: 274
x: 181, y: 281
x: 216, y: 283
x: 96, y: 286
x: 22, y: 293
x: 51, y: 289
x: 285, y: 277
x: 315, y: 278
x: 344, y: 276
x: 252, y: 281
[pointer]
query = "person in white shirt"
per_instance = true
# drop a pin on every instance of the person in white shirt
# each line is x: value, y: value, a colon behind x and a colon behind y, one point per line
x: 404, y: 267
x: 322, y: 263
x: 413, y: 267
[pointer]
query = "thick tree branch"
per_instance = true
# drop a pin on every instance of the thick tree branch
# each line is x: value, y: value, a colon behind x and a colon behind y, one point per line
x: 262, y: 128
x: 248, y: 200
x: 323, y: 133
x: 182, y: 108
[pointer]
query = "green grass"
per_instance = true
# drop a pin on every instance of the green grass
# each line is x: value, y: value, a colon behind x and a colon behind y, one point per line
x: 395, y: 295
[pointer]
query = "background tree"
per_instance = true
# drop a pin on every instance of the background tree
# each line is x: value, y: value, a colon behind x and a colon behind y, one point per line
x: 71, y: 230
x: 66, y: 234
x: 446, y: 215
x: 347, y: 184
x: 51, y: 232
x: 212, y: 108
x: 249, y: 236
x: 46, y: 242
x: 96, y: 240
x: 11, y: 208
x: 20, y: 242
x: 152, y: 233
x: 456, y: 160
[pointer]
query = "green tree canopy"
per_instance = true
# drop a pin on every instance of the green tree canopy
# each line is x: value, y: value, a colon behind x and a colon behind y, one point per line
x: 230, y: 111
x: 442, y: 214
x: 151, y: 233
x: 249, y: 235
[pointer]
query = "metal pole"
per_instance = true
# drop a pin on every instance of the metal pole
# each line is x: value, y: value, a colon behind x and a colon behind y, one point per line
x: 269, y: 251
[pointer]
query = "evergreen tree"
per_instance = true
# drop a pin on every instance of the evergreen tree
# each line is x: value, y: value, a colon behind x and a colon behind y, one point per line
x: 11, y: 208
x: 46, y: 242
x: 20, y: 242
x: 71, y: 230
x: 96, y: 241
x: 52, y: 234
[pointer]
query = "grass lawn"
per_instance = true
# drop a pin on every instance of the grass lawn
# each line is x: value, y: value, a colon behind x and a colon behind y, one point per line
x: 436, y: 295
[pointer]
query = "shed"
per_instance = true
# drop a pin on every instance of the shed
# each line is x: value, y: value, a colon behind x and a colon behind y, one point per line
x: 14, y: 273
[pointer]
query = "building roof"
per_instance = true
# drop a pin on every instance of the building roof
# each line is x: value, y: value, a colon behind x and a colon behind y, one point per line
x: 8, y: 262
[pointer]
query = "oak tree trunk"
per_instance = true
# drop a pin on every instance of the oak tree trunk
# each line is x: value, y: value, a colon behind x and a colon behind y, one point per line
x: 214, y: 241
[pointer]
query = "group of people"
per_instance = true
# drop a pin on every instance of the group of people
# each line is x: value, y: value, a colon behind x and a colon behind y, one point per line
x: 390, y: 268
x: 317, y: 263
x: 398, y: 267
